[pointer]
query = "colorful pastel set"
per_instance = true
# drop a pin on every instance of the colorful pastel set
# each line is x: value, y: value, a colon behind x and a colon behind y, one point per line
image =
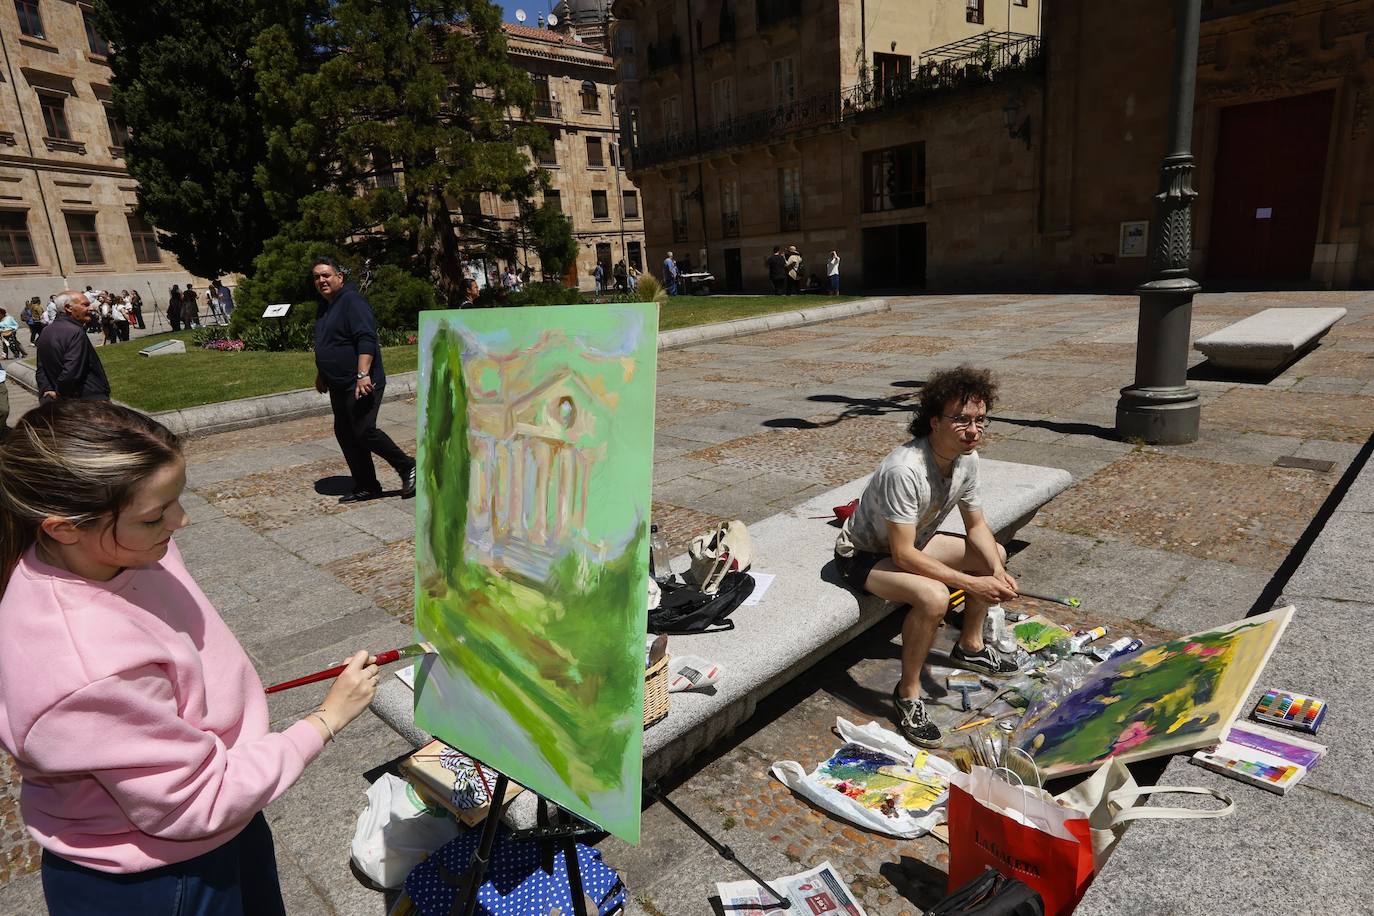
x: 1290, y: 710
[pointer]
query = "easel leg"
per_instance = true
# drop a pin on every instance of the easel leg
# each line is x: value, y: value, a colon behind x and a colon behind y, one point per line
x: 481, y: 856
x: 575, y: 889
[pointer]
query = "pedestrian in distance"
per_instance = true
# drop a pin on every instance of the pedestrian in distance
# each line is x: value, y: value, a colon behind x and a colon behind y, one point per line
x: 190, y: 308
x: 832, y: 271
x: 138, y: 722
x: 348, y: 363
x: 33, y: 318
x: 136, y: 306
x: 777, y: 270
x: 796, y: 270
x: 174, y: 308
x: 469, y: 292
x: 670, y: 274
x: 68, y: 366
x: 121, y: 312
x: 599, y: 275
x: 9, y: 335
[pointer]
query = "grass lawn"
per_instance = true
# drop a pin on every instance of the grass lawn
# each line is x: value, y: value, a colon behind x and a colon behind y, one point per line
x: 689, y: 311
x: 208, y: 376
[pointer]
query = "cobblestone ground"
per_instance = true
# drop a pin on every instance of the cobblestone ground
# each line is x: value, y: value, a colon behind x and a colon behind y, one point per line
x: 1154, y: 540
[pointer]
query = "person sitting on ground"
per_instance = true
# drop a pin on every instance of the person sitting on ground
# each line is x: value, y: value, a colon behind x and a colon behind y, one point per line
x: 137, y: 720
x: 9, y: 331
x: 890, y: 546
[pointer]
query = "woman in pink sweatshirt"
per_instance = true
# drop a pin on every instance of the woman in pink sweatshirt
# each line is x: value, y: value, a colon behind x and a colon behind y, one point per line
x: 139, y: 724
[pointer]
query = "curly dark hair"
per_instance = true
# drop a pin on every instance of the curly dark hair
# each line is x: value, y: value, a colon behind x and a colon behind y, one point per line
x: 961, y: 384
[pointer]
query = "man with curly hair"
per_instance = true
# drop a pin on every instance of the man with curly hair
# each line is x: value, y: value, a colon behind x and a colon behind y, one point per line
x: 890, y: 546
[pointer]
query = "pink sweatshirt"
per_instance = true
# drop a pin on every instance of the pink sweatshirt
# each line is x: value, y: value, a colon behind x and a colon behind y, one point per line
x: 139, y: 724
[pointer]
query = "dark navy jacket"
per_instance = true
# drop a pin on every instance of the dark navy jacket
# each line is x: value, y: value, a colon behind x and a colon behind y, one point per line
x: 68, y: 364
x: 343, y: 329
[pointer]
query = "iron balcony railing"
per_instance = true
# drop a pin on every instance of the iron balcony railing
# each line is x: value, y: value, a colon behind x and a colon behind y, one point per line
x: 789, y: 217
x: 982, y: 66
x: 546, y: 108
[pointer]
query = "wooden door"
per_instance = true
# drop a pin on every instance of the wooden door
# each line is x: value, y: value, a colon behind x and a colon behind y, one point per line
x: 1270, y: 165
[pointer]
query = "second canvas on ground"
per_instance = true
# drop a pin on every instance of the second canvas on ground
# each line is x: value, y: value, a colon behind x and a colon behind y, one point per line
x: 535, y: 454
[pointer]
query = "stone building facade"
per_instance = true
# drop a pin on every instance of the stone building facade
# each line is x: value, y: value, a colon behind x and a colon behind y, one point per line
x: 67, y: 201
x: 813, y: 123
x: 575, y: 101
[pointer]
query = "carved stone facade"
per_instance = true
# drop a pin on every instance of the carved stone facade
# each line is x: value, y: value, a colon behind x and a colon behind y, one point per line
x: 66, y: 198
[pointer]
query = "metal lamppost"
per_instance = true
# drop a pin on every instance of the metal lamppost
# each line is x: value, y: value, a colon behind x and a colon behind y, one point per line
x: 1160, y: 407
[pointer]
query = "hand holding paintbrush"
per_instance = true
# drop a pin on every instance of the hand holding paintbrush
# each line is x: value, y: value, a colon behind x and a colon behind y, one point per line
x: 354, y: 687
x: 384, y: 658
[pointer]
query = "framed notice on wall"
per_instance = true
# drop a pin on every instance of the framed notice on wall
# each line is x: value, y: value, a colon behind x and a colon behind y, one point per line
x: 1134, y: 239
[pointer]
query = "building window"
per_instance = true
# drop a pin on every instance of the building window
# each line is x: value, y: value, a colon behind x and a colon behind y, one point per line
x: 594, y: 159
x: 383, y: 169
x: 729, y: 208
x: 723, y: 100
x: 636, y: 255
x: 94, y: 40
x: 629, y: 204
x: 545, y: 106
x: 85, y: 238
x: 144, y: 239
x: 890, y: 71
x: 16, y: 245
x: 784, y: 82
x: 600, y: 207
x: 610, y: 147
x: 671, y: 109
x: 119, y: 134
x: 549, y: 157
x: 974, y: 11
x: 894, y: 178
x: 554, y: 199
x: 591, y: 100
x: 30, y: 22
x: 789, y: 198
x: 54, y: 105
x: 679, y: 217
x: 1020, y: 2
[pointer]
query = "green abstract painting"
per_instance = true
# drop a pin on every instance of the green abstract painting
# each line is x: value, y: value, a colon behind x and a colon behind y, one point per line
x: 1177, y: 696
x: 532, y: 536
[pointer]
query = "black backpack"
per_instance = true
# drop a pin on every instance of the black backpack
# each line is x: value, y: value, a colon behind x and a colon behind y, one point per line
x: 686, y: 609
x: 990, y: 894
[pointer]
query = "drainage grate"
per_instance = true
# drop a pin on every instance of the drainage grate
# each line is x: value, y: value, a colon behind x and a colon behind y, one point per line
x: 1306, y: 464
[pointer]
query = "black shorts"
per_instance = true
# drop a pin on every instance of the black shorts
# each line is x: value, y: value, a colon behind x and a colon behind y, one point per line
x: 854, y: 570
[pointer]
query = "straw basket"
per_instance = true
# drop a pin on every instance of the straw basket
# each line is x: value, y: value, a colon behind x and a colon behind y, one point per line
x: 656, y: 691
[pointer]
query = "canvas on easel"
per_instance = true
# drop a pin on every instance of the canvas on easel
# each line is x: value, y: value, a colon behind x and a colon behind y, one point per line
x: 1177, y: 696
x: 535, y: 452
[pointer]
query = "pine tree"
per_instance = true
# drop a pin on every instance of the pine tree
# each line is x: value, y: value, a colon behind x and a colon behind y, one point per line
x: 388, y: 119
x: 183, y: 87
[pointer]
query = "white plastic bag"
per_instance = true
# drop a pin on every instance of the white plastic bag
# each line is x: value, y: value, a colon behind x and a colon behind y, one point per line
x: 397, y: 831
x: 873, y: 737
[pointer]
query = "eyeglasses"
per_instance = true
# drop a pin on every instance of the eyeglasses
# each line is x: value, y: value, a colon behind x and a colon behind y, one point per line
x: 964, y: 421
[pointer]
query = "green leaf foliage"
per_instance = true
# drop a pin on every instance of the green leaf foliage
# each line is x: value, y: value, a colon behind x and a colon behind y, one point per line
x: 550, y: 234
x: 183, y: 87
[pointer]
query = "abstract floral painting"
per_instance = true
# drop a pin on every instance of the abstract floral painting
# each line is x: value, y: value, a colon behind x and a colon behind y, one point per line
x: 1176, y: 696
x: 535, y: 453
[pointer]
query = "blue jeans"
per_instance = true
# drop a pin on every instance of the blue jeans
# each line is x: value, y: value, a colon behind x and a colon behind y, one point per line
x: 237, y: 879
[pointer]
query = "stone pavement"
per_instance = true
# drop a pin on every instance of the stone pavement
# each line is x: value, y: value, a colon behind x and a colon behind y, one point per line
x: 1155, y: 541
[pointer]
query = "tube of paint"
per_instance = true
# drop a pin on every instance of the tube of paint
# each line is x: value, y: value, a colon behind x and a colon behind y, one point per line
x: 1076, y: 643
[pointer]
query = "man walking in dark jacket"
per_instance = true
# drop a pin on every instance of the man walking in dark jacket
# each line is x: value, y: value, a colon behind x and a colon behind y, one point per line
x: 68, y: 366
x: 777, y: 270
x: 348, y: 363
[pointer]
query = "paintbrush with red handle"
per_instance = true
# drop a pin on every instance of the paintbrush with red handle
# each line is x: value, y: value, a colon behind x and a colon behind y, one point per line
x: 383, y: 658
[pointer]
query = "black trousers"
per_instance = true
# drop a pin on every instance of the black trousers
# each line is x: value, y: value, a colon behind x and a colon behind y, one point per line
x: 355, y: 427
x: 779, y: 285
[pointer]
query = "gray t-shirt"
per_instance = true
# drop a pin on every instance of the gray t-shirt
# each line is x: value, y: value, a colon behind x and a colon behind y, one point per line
x: 908, y: 489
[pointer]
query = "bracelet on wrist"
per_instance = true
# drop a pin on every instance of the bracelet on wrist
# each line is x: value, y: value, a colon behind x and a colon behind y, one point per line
x: 325, y: 722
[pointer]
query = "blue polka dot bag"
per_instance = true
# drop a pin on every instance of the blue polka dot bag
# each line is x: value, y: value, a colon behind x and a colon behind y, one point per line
x: 516, y: 883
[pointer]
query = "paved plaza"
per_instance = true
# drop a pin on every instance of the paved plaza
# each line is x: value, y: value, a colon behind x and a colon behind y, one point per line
x: 1154, y: 540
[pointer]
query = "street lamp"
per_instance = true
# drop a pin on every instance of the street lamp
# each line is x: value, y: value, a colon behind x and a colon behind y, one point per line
x: 1160, y: 407
x: 1015, y: 131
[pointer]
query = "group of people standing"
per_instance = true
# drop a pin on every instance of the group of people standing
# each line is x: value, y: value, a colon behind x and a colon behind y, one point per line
x: 112, y: 315
x: 183, y: 305
x: 623, y: 277
x: 787, y: 273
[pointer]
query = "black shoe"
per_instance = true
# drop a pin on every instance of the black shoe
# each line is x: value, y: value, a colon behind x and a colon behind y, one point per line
x: 986, y: 660
x: 361, y: 496
x: 408, y: 483
x: 913, y: 724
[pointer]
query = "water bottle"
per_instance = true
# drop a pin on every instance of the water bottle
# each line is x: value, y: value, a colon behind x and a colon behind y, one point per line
x: 660, y: 566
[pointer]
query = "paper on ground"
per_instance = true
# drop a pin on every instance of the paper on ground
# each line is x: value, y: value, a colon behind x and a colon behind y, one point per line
x: 761, y: 583
x: 819, y: 890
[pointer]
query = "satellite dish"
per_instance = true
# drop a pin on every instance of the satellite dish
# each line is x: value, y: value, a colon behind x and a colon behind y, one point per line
x: 519, y: 15
x: 553, y: 20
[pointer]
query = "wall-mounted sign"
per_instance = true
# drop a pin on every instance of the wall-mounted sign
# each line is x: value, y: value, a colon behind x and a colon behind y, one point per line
x: 1134, y: 239
x: 276, y: 311
x: 1264, y: 213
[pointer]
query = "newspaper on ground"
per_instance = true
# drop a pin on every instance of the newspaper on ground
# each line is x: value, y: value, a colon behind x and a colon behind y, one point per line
x: 819, y: 890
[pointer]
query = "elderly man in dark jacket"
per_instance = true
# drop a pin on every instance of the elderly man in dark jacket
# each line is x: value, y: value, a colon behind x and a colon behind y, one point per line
x: 68, y: 366
x: 348, y: 363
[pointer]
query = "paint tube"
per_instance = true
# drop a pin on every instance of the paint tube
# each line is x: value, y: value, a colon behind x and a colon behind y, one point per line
x: 1133, y: 645
x: 1079, y: 641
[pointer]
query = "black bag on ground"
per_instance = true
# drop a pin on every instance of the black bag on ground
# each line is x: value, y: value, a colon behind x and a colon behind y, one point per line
x: 990, y: 894
x: 684, y: 609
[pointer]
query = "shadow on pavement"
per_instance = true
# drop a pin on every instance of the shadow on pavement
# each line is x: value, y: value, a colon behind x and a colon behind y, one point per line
x: 856, y: 407
x: 1066, y: 427
x: 1207, y: 371
x: 919, y: 882
x: 334, y: 486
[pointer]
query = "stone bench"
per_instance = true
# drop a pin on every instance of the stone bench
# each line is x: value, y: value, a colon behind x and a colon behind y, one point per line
x: 805, y: 615
x: 1269, y: 340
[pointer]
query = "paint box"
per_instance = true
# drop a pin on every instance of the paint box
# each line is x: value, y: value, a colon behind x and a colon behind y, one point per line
x: 1290, y: 710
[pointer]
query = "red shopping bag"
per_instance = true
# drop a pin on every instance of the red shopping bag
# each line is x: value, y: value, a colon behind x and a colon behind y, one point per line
x: 1020, y: 833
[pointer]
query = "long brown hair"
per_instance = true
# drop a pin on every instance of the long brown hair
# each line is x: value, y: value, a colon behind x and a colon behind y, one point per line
x: 72, y: 459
